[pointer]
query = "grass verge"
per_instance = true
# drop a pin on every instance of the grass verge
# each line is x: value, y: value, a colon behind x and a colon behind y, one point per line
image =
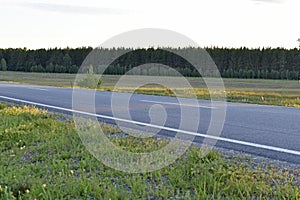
x: 43, y: 158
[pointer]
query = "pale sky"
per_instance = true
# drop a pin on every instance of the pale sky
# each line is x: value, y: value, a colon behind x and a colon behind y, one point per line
x: 75, y: 23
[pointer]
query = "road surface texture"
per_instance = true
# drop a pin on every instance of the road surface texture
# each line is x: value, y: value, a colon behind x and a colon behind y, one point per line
x: 267, y: 131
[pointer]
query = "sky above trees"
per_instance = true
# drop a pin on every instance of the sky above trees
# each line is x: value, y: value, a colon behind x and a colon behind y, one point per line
x: 228, y: 23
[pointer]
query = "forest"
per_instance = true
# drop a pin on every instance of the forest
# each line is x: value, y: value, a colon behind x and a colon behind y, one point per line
x: 259, y: 63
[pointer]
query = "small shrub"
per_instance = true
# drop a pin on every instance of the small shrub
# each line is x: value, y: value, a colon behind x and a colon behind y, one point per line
x: 90, y: 81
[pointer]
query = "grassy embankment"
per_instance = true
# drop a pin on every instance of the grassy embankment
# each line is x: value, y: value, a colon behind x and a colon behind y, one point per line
x: 269, y: 92
x: 43, y: 158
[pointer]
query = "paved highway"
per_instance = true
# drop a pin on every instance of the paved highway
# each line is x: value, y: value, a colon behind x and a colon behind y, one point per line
x: 268, y: 131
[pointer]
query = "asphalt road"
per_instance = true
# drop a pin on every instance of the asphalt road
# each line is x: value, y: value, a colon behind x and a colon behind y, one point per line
x: 268, y: 131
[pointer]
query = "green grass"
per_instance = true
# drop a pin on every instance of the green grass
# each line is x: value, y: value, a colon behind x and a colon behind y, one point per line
x: 43, y: 158
x: 47, y: 79
x: 258, y: 91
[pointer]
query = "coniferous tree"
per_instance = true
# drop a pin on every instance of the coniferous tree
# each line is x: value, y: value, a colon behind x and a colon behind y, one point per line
x: 67, y: 60
x: 3, y: 64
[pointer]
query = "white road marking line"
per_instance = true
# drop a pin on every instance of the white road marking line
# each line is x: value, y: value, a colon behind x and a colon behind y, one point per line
x: 278, y: 149
x: 38, y: 89
x: 170, y: 103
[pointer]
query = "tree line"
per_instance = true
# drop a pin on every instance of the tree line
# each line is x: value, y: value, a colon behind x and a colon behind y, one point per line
x: 263, y: 63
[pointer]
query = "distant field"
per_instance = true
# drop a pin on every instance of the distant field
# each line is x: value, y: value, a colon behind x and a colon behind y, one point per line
x: 53, y: 79
x: 272, y: 92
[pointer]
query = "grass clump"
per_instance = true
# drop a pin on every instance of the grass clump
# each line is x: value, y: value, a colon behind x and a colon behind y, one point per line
x: 2, y: 106
x: 44, y: 158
